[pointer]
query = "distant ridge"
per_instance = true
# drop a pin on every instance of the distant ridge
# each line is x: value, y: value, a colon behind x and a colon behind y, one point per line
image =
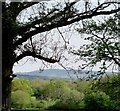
x: 55, y: 73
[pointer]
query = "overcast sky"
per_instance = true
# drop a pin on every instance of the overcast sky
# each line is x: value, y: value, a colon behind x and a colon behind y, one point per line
x: 28, y: 64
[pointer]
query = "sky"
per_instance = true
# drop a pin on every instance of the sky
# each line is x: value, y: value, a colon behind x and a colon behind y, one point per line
x: 28, y: 64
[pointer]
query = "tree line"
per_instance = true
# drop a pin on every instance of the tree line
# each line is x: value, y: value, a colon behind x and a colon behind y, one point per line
x: 38, y: 94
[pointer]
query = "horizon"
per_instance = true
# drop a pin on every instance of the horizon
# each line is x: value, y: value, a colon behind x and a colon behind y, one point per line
x: 64, y: 70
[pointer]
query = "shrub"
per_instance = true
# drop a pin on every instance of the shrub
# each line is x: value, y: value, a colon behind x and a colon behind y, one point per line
x: 45, y: 104
x: 98, y: 101
x: 111, y: 86
x: 21, y: 100
x: 71, y: 99
x: 23, y: 85
x: 38, y: 86
x: 55, y: 89
x: 83, y: 86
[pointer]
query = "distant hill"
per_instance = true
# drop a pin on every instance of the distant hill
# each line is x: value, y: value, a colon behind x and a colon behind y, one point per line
x: 54, y: 73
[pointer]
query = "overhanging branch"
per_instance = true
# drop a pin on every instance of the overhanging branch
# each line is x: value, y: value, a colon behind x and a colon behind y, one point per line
x: 62, y: 22
x: 29, y: 53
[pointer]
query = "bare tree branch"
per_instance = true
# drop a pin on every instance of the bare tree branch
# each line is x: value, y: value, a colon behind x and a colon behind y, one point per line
x: 29, y: 53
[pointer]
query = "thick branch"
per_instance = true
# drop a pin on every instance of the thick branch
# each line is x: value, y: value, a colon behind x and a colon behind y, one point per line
x: 51, y: 16
x: 29, y: 53
x: 61, y: 23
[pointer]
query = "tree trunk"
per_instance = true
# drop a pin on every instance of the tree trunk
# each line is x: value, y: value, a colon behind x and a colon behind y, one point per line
x: 7, y: 60
x: 6, y: 89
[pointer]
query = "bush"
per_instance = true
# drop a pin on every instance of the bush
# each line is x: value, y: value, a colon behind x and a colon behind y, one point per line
x: 83, y: 86
x: 55, y: 89
x: 111, y: 86
x: 38, y: 86
x: 98, y: 101
x: 45, y: 104
x: 71, y: 99
x: 23, y: 85
x: 21, y: 100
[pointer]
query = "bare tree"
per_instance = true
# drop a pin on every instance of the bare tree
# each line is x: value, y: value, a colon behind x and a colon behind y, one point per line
x: 22, y: 21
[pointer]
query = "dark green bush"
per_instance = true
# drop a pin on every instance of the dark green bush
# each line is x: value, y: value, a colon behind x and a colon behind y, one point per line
x: 111, y: 86
x: 99, y: 101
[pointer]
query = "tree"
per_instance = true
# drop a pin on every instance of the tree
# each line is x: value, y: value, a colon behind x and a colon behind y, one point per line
x: 23, y: 85
x: 104, y: 44
x: 18, y: 35
x: 21, y: 99
x: 99, y: 101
